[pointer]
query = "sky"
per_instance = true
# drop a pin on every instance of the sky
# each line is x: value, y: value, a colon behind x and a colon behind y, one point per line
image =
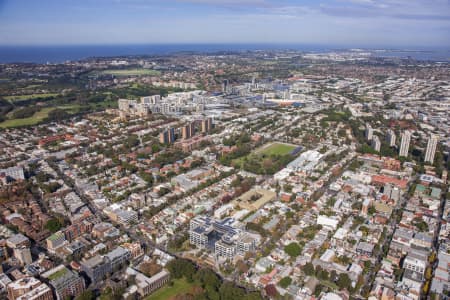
x: 356, y: 23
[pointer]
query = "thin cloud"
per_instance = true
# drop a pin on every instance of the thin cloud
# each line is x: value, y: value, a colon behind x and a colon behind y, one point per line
x: 378, y: 22
x: 396, y: 9
x: 228, y: 3
x: 422, y: 17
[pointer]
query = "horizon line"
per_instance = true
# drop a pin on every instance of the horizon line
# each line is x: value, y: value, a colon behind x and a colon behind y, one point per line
x: 344, y: 46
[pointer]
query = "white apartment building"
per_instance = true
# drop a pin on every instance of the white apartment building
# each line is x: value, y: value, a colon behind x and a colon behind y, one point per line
x: 404, y: 146
x: 431, y: 148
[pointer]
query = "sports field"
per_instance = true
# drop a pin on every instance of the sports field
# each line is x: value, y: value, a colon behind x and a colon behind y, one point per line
x: 276, y: 149
x: 131, y: 72
x: 267, y: 150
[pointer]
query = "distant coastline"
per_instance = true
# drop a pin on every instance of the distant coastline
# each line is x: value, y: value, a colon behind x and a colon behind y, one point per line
x: 59, y: 54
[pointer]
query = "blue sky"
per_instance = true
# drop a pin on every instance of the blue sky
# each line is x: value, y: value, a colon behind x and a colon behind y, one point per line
x: 363, y: 23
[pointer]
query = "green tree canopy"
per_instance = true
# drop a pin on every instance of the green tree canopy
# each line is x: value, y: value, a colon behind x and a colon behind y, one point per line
x: 308, y: 269
x: 181, y: 268
x: 86, y: 295
x: 53, y: 225
x: 285, y: 282
x: 293, y: 249
x: 344, y: 281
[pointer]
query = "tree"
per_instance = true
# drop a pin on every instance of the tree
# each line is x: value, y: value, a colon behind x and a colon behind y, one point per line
x: 43, y: 177
x: 287, y: 188
x: 432, y: 258
x: 25, y: 112
x: 398, y: 272
x: 428, y: 273
x: 207, y: 278
x: 147, y: 177
x: 285, y: 282
x: 253, y: 296
x: 181, y: 268
x: 344, y: 281
x: 176, y: 242
x: 86, y: 295
x: 318, y: 270
x: 162, y: 191
x: 57, y: 115
x: 110, y: 294
x: 156, y: 148
x: 293, y: 249
x: 426, y: 287
x: 308, y: 269
x: 333, y: 275
x: 323, y: 274
x: 53, y: 225
x: 354, y: 165
x: 51, y: 187
x: 318, y: 290
x: 229, y: 291
x: 364, y: 230
x: 289, y: 214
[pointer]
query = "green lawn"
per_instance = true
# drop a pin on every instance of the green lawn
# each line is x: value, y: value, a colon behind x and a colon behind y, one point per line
x: 276, y: 148
x: 180, y: 286
x: 131, y: 72
x: 58, y: 274
x: 39, y: 116
x: 267, y: 150
x: 27, y: 97
x: 105, y: 104
x: 71, y: 108
x: 33, y: 120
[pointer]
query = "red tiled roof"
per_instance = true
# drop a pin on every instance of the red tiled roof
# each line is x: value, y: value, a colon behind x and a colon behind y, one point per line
x: 381, y: 179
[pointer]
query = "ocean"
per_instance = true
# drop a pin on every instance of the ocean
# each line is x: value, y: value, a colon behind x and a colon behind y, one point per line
x: 58, y: 54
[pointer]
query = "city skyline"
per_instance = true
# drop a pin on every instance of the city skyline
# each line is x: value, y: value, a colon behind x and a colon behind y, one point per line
x: 398, y: 23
